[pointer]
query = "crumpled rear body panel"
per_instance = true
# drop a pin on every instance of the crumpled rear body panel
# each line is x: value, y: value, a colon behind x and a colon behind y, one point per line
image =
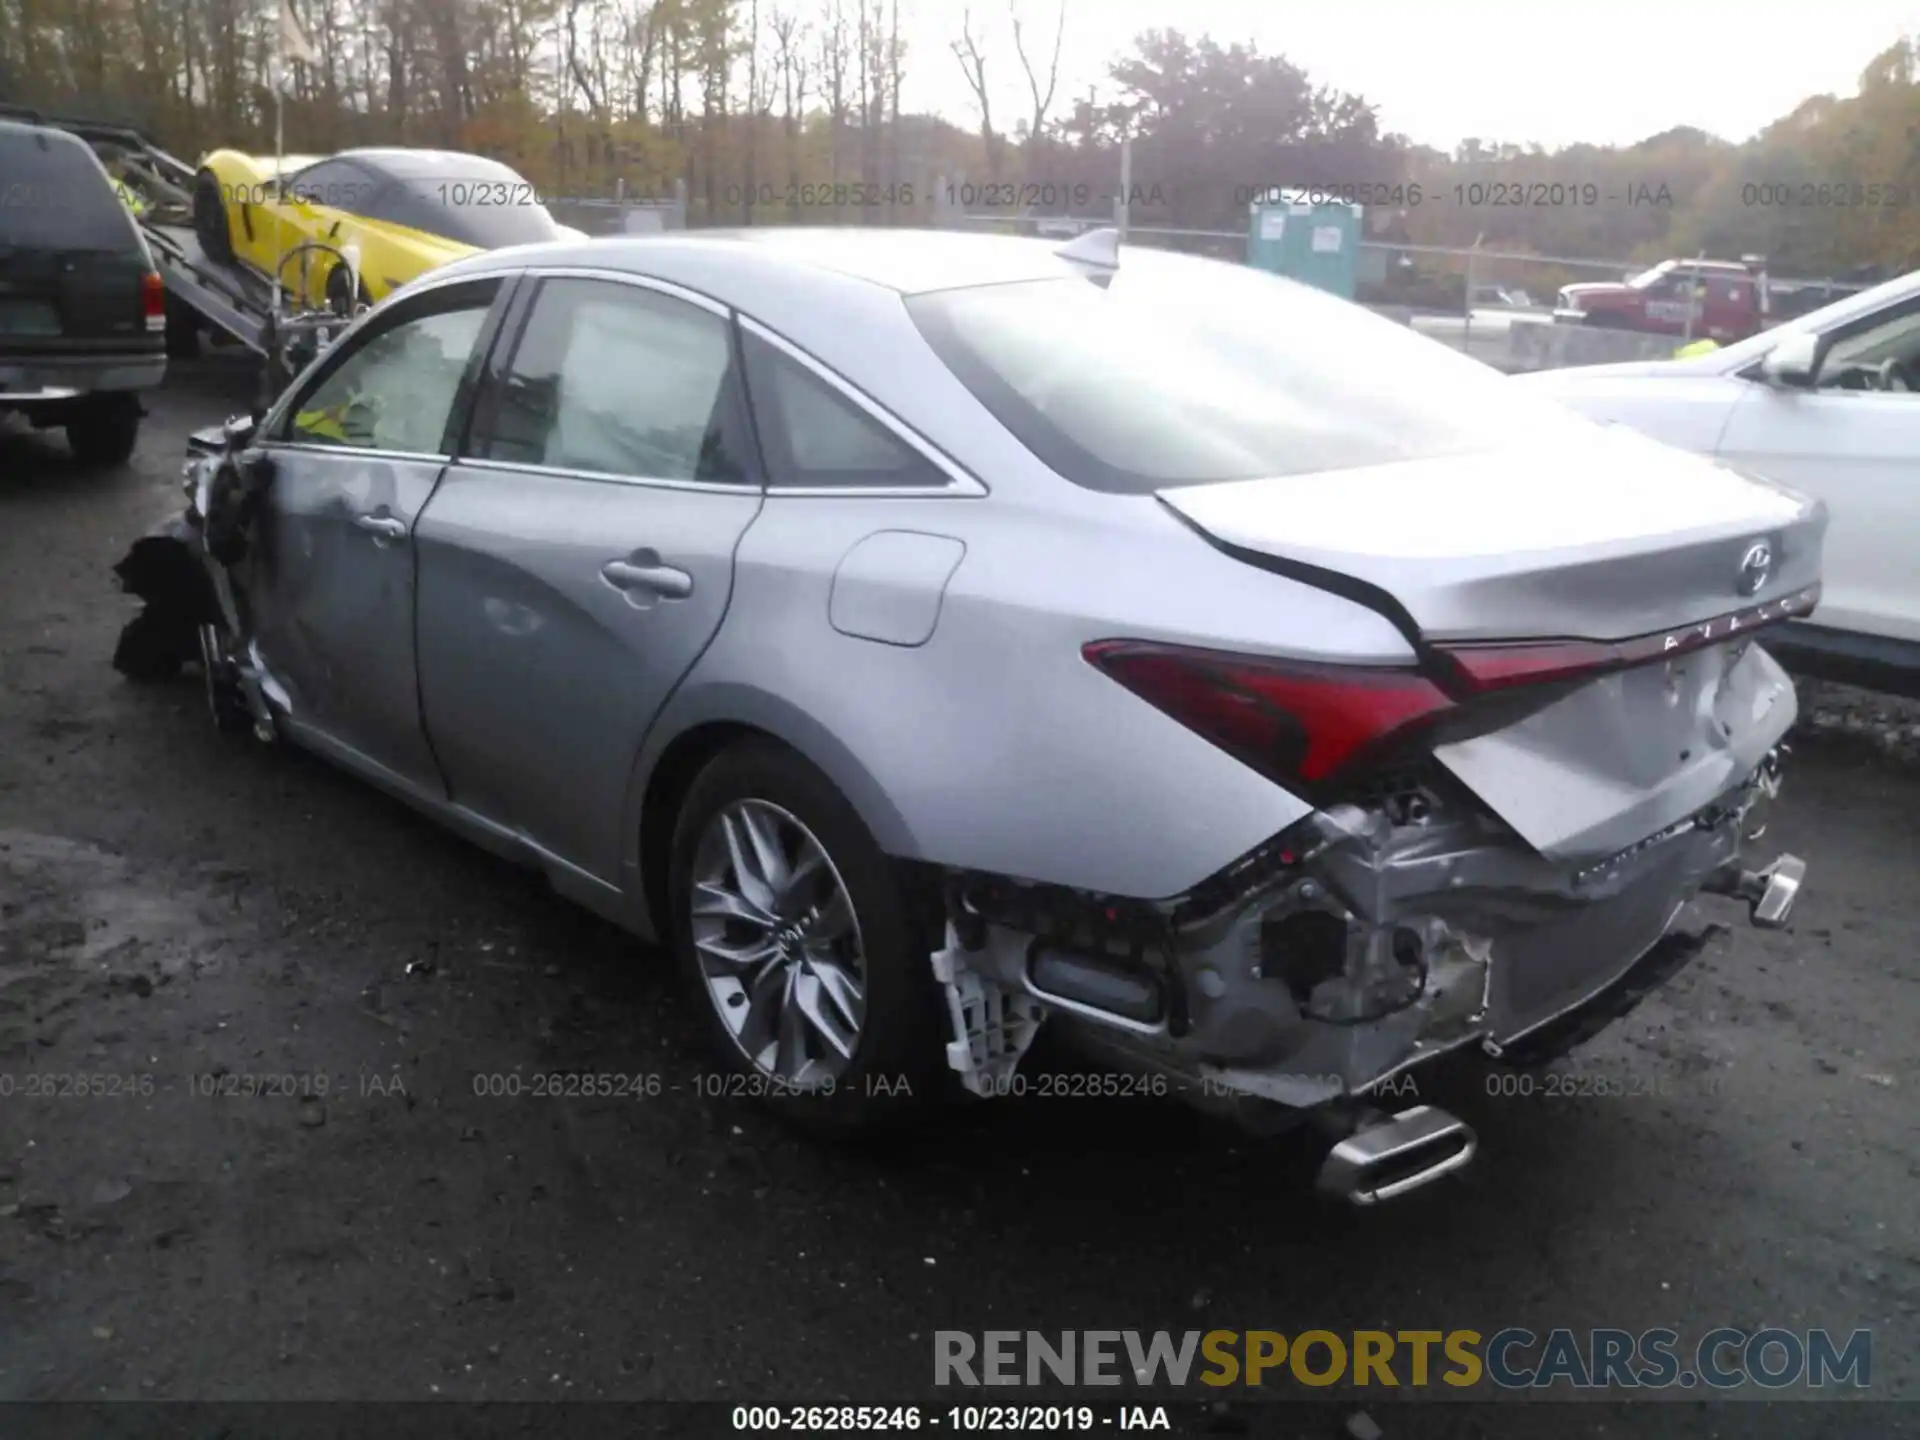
x: 1629, y: 754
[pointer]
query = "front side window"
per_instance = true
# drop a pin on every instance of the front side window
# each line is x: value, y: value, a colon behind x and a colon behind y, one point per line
x: 396, y: 388
x: 614, y: 379
x: 815, y: 436
x: 1188, y: 372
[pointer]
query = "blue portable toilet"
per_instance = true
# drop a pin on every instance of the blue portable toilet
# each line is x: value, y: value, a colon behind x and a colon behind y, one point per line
x: 1306, y: 237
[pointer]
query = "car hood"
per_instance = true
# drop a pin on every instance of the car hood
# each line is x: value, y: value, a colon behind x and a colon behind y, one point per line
x: 1587, y: 289
x: 419, y: 253
x: 1575, y: 376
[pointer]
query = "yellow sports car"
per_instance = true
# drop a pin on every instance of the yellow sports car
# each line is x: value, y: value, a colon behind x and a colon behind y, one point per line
x: 404, y: 212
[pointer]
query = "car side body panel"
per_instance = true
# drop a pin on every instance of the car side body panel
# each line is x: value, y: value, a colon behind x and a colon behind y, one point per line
x: 964, y: 761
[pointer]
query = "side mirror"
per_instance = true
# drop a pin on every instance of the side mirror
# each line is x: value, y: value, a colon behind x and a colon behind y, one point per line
x: 1792, y: 363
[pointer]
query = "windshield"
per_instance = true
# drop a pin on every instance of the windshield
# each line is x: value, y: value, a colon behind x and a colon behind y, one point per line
x: 1187, y: 372
x: 465, y: 198
x: 484, y: 213
x: 1654, y: 276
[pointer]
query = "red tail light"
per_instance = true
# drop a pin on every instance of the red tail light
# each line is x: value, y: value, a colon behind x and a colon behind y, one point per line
x: 1477, y: 669
x: 1293, y: 722
x: 1303, y: 724
x: 153, y: 300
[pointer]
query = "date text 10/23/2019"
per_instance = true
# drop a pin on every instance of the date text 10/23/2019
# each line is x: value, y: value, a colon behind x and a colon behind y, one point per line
x: 957, y: 1419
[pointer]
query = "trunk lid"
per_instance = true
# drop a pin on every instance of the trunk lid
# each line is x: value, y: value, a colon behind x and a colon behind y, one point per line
x: 72, y: 262
x: 1616, y: 539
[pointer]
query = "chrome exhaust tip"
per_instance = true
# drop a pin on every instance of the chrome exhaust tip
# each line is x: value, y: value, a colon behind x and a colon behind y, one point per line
x: 1769, y: 893
x: 1780, y: 887
x: 1393, y: 1155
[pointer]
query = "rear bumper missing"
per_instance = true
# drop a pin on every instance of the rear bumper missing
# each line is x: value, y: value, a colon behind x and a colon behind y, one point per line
x: 1551, y: 1039
x: 1371, y: 946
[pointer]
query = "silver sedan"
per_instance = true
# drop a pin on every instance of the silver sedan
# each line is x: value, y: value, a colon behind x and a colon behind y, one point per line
x: 932, y: 637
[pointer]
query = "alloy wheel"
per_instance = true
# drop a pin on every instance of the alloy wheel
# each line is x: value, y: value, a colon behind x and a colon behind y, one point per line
x: 778, y: 944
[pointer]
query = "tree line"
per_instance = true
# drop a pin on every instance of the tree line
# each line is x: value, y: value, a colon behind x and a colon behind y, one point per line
x: 783, y: 110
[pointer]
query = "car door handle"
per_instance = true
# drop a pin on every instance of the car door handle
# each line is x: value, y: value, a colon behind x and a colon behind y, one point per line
x: 662, y: 580
x: 382, y: 527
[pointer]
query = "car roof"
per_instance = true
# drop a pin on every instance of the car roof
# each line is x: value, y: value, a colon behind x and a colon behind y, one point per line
x: 45, y: 132
x: 907, y: 261
x: 409, y: 164
x: 1681, y: 264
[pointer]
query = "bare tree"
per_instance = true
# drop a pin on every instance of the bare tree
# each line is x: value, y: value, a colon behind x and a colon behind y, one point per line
x: 1042, y: 101
x: 575, y: 69
x: 872, y: 92
x: 834, y: 65
x: 713, y: 30
x: 789, y: 35
x: 896, y: 57
x: 642, y: 42
x: 974, y: 62
x: 761, y: 83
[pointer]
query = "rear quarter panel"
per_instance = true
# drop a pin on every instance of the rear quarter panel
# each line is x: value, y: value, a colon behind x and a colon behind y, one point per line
x: 993, y: 745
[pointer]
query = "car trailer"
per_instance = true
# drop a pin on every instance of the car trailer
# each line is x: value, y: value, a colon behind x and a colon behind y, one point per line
x: 238, y: 300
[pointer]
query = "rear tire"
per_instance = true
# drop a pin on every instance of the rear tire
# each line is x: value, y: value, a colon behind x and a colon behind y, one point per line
x: 897, y: 1048
x: 211, y: 227
x: 105, y: 431
x: 183, y: 332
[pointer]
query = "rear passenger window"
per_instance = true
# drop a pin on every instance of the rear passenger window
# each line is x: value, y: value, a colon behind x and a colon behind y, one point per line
x: 814, y: 436
x: 615, y: 379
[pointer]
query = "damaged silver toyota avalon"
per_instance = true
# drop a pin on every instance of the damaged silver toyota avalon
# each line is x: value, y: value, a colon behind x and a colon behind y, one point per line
x: 936, y: 637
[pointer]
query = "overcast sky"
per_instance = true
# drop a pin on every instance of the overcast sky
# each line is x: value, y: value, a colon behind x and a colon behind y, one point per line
x: 1555, y: 71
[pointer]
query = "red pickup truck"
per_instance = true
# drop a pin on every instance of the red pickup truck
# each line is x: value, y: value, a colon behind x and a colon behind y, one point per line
x: 1727, y: 300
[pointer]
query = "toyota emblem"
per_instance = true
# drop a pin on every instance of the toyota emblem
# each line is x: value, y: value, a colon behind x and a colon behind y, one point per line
x: 1756, y: 567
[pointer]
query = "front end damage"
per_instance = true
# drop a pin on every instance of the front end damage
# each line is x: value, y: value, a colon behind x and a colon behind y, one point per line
x: 1404, y: 923
x: 191, y: 609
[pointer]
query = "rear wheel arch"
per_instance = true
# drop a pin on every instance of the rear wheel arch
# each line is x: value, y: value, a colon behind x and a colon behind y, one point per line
x: 878, y: 946
x: 670, y: 775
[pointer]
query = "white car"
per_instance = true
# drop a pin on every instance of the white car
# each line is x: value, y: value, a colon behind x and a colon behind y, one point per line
x: 1829, y: 405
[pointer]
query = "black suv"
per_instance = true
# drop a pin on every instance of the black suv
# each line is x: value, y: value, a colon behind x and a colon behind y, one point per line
x: 83, y: 312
